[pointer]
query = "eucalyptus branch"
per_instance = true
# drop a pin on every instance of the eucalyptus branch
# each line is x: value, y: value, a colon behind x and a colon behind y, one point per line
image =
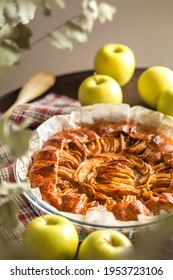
x: 15, y: 35
x: 43, y: 37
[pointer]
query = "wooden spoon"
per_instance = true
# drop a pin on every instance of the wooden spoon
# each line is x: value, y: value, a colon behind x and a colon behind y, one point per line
x: 36, y: 86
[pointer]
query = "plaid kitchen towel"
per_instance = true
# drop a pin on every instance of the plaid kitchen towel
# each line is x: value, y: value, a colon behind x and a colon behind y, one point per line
x: 39, y: 111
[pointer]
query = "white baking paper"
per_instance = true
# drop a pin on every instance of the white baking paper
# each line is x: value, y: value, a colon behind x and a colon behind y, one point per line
x: 79, y: 117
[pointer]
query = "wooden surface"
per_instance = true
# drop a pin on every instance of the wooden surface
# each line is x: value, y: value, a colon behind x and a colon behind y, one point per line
x: 68, y: 85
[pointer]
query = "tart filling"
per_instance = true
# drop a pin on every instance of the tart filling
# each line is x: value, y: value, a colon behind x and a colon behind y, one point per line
x: 124, y: 167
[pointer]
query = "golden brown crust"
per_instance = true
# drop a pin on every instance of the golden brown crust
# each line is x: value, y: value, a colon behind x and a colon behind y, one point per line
x: 125, y: 168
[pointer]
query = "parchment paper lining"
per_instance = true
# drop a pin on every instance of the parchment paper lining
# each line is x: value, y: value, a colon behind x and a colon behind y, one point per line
x: 89, y: 115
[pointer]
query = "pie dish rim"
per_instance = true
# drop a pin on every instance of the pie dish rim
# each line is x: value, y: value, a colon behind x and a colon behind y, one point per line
x: 41, y: 208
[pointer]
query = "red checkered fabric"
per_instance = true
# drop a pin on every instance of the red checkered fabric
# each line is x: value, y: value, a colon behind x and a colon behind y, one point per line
x: 39, y: 111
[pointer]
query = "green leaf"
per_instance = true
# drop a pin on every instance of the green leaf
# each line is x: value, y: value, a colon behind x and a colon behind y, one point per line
x: 87, y: 22
x: 11, y: 13
x: 105, y: 12
x: 8, y: 214
x: 85, y: 4
x: 148, y: 247
x: 2, y: 18
x: 60, y: 40
x: 47, y: 8
x: 84, y: 22
x: 4, y: 132
x: 27, y: 10
x: 18, y: 142
x: 19, y: 11
x: 4, y: 128
x: 61, y: 3
x: 9, y: 53
x: 74, y: 31
x: 11, y: 189
x: 90, y: 7
x: 8, y: 32
x: 17, y: 138
x: 45, y: 4
x: 23, y: 40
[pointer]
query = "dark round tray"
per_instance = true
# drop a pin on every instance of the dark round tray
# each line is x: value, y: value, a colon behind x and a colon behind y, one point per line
x: 68, y: 85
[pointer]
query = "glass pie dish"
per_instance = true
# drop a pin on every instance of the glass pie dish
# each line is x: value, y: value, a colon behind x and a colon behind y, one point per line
x: 95, y: 217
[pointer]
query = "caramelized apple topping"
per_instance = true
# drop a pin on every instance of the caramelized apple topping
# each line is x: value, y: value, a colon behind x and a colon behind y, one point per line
x: 125, y: 168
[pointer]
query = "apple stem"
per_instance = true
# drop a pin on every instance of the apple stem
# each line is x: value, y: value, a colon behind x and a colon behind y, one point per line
x: 117, y: 50
x: 110, y: 241
x: 96, y: 79
x: 44, y: 218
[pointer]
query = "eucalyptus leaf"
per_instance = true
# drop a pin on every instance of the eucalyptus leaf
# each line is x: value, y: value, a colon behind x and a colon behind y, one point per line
x: 148, y: 247
x: 18, y: 142
x: 61, y: 3
x: 4, y: 128
x: 7, y: 188
x: 85, y: 4
x: 9, y: 53
x: 11, y: 13
x: 17, y: 138
x: 93, y: 5
x: 105, y: 12
x: 19, y: 11
x: 8, y: 214
x: 60, y: 41
x: 27, y: 10
x: 8, y: 32
x: 90, y: 6
x: 74, y: 31
x: 23, y: 125
x: 25, y: 33
x: 47, y: 8
x: 2, y: 18
x: 7, y: 252
x: 85, y: 22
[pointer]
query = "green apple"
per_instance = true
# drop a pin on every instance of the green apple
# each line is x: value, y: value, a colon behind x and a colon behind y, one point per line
x: 165, y: 102
x: 51, y: 237
x: 99, y: 89
x: 106, y: 245
x: 116, y: 61
x: 152, y: 82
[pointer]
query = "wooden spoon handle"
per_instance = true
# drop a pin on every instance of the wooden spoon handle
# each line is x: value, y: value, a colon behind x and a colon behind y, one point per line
x: 36, y: 86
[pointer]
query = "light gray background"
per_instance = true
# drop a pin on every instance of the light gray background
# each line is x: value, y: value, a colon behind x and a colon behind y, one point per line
x: 146, y: 26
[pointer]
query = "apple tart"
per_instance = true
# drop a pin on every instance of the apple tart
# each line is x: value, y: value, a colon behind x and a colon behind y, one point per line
x: 120, y: 161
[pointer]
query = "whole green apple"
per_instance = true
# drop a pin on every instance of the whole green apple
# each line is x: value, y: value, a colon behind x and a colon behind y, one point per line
x: 99, y: 89
x: 116, y: 61
x: 106, y: 245
x: 152, y: 82
x: 51, y: 237
x: 165, y: 102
